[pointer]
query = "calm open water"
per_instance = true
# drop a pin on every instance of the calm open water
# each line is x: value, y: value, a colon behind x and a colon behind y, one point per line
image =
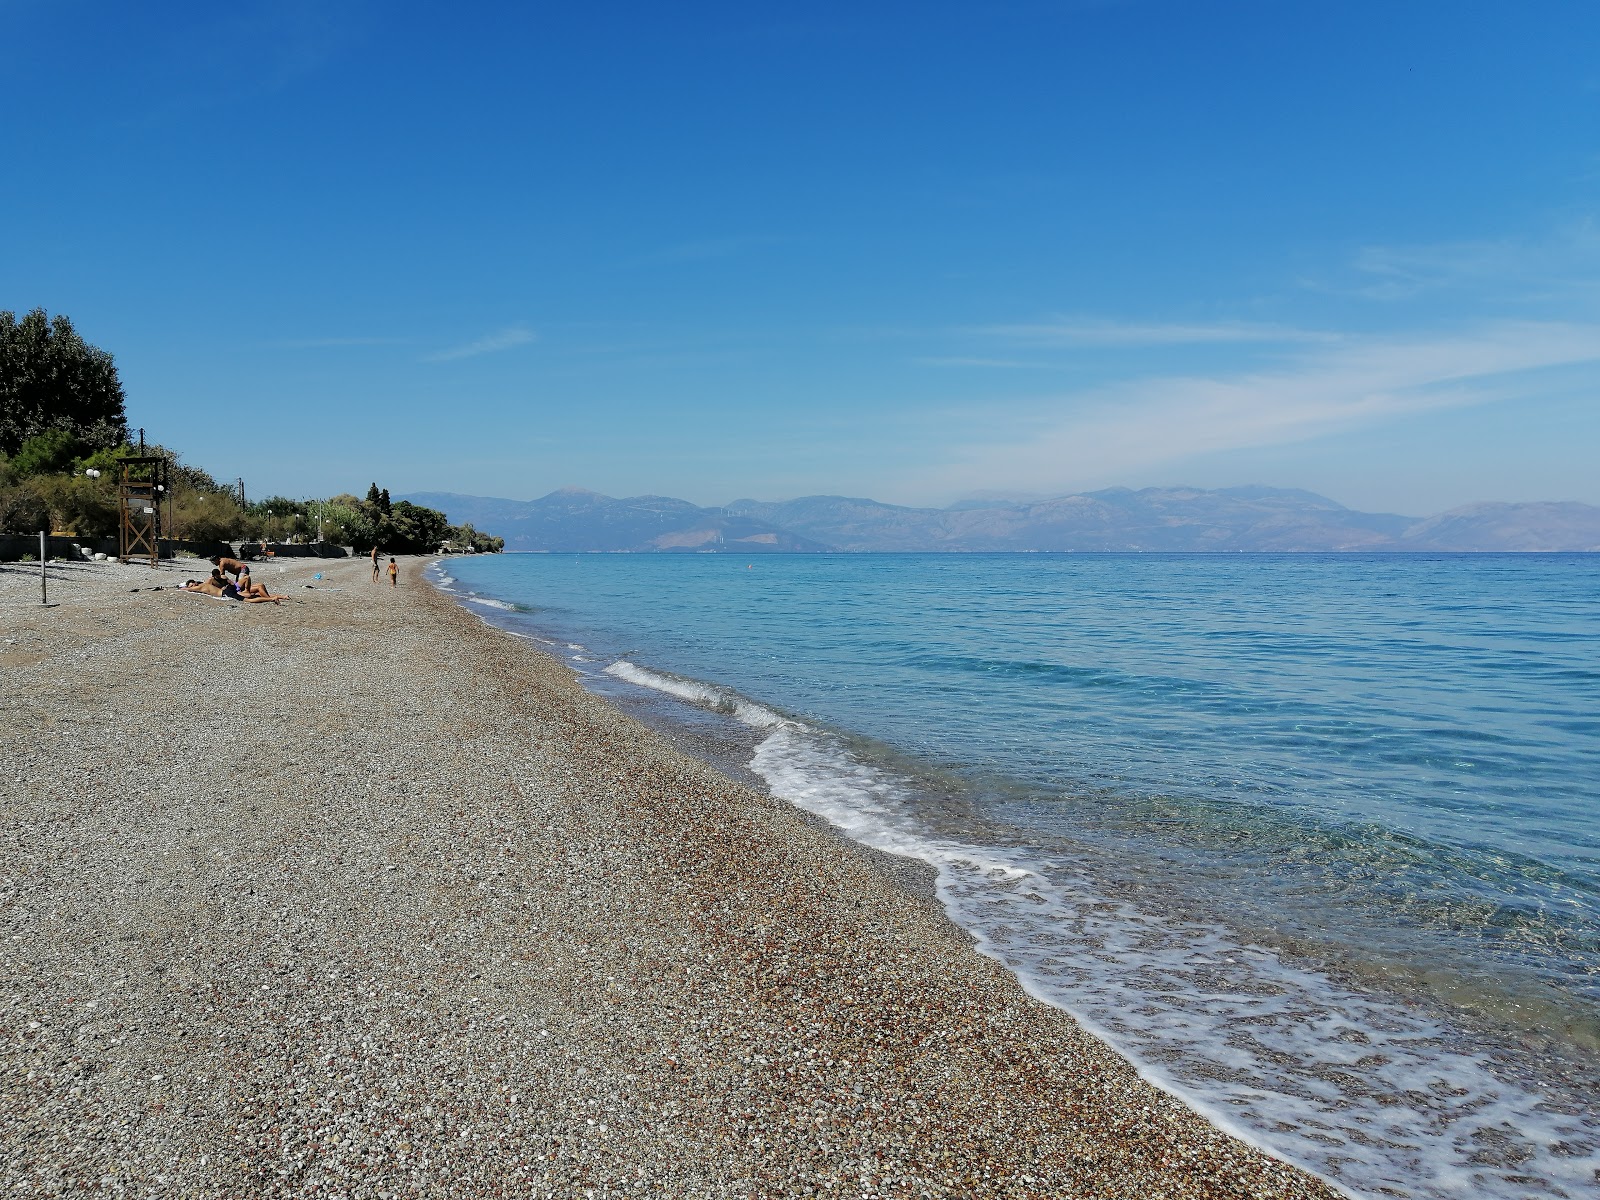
x: 1312, y: 839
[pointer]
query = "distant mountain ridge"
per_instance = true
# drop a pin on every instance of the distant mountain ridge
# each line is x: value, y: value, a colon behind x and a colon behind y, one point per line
x: 1175, y: 519
x: 572, y: 519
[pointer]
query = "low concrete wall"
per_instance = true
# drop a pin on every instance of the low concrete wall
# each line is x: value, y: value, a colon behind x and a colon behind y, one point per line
x: 16, y: 546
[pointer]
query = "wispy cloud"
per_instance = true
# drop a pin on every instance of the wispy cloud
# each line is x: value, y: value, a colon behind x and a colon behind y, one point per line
x: 506, y: 339
x: 1067, y: 331
x: 1529, y: 268
x: 1114, y: 433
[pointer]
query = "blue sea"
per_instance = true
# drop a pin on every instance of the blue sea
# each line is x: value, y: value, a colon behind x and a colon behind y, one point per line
x: 1314, y: 840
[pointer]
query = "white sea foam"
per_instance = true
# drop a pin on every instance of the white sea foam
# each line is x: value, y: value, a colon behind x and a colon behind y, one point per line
x: 703, y: 694
x: 490, y: 602
x: 1356, y: 1087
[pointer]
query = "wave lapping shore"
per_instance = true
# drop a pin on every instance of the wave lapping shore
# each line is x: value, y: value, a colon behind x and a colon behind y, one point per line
x: 359, y: 896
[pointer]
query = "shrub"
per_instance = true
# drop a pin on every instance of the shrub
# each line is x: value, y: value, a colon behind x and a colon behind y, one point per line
x: 22, y: 509
x: 87, y: 507
x: 206, y: 516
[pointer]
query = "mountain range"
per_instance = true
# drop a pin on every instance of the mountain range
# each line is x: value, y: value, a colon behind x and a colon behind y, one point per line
x: 1174, y: 519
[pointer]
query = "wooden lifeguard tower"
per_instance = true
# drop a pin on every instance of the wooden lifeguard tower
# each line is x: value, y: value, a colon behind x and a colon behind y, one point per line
x: 142, y: 489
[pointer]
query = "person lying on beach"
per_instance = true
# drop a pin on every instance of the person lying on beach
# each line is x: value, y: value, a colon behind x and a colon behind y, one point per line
x: 211, y: 587
x: 225, y: 590
x: 216, y: 584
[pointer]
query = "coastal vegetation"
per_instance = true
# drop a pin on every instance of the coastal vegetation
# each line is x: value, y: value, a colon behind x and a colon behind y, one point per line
x: 64, y: 439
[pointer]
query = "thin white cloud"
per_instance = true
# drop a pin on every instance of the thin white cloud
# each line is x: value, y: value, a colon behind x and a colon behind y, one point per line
x: 1562, y: 262
x: 506, y: 339
x: 1076, y: 332
x: 1115, y: 433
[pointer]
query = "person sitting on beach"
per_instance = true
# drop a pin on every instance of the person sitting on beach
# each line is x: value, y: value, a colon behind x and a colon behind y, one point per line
x: 249, y: 589
x: 228, y: 587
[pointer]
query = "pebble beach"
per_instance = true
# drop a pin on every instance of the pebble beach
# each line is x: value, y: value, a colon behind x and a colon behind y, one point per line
x: 358, y: 896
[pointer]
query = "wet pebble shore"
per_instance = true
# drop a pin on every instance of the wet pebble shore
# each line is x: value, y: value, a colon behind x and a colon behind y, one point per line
x: 357, y: 896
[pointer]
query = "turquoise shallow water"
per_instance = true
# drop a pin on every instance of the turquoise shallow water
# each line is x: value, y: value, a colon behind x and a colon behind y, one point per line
x: 1224, y: 808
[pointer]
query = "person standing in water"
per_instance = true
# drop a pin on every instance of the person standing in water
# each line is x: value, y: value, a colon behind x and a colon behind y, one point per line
x: 394, y: 572
x: 374, y: 564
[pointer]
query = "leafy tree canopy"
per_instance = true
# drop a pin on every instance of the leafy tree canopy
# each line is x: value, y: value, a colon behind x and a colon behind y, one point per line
x: 280, y: 506
x: 51, y: 379
x: 46, y: 453
x: 416, y: 530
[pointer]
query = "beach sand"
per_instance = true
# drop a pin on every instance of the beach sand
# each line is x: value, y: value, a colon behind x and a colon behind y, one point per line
x: 358, y: 896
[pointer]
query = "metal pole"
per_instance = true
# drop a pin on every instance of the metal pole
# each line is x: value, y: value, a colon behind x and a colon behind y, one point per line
x: 44, y: 590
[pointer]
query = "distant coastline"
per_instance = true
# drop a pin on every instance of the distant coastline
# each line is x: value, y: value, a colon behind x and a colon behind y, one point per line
x: 1251, y: 520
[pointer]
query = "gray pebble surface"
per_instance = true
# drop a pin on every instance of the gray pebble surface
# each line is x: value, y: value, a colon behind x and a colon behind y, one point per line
x: 356, y: 896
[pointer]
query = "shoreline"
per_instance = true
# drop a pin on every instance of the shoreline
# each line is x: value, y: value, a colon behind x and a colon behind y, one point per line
x: 362, y: 894
x: 1292, y: 1009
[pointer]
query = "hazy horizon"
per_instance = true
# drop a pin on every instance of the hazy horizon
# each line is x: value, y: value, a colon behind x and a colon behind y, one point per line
x: 992, y: 498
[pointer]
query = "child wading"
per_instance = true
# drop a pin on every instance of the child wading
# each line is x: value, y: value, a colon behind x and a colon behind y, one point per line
x: 394, y: 573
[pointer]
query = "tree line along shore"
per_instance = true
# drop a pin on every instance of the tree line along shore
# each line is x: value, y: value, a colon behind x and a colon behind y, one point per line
x: 65, y: 440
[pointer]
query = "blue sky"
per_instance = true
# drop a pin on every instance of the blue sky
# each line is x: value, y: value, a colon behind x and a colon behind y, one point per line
x: 911, y: 251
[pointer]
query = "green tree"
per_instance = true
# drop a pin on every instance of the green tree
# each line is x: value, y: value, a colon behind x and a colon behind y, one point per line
x: 465, y: 537
x: 416, y: 530
x: 278, y: 518
x: 346, y: 520
x: 46, y: 453
x: 50, y: 378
